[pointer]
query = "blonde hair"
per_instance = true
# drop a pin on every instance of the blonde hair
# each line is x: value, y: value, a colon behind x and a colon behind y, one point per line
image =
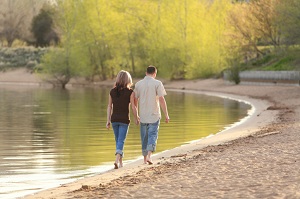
x: 123, y: 80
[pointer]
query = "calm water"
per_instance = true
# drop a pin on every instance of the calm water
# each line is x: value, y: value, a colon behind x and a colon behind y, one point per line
x: 49, y: 137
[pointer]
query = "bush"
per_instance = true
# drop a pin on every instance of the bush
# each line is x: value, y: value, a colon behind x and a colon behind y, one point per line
x: 234, y: 74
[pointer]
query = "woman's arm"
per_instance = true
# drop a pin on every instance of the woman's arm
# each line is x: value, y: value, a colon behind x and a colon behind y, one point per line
x: 109, y: 111
x: 133, y: 102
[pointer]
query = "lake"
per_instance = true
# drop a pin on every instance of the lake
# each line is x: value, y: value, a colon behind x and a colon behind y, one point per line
x: 50, y: 137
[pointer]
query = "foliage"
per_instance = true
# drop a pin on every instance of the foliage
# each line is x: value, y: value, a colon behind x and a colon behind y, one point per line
x: 15, y: 20
x: 234, y: 71
x: 288, y: 60
x: 12, y: 58
x: 58, y: 68
x: 275, y: 61
x: 181, y: 38
x: 184, y: 39
x: 42, y: 29
x: 261, y: 34
x: 289, y: 21
x: 282, y: 64
x: 253, y: 24
x: 265, y: 60
x: 61, y: 64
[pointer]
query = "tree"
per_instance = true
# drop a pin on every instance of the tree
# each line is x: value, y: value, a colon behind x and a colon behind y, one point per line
x: 97, y: 41
x: 15, y: 19
x: 241, y: 35
x: 263, y: 16
x: 56, y: 68
x: 182, y: 38
x: 171, y: 30
x: 11, y: 22
x: 61, y: 64
x: 255, y: 24
x: 289, y: 20
x: 42, y: 29
x: 132, y: 36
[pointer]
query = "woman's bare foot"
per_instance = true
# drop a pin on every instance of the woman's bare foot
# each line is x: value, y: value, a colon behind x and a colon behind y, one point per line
x: 120, y: 162
x: 118, y: 159
x: 116, y: 166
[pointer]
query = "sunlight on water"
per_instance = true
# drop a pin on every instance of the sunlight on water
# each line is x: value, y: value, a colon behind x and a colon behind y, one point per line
x: 50, y: 137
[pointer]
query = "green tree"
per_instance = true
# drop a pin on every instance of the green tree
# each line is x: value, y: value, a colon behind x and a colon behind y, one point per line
x: 97, y: 37
x: 289, y: 21
x: 42, y: 29
x: 241, y: 34
x: 56, y: 68
x: 186, y: 36
x: 134, y: 22
x: 253, y: 25
x: 263, y: 15
x: 61, y: 64
x: 182, y: 38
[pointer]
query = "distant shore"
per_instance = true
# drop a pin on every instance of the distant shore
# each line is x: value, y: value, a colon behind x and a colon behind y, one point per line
x: 259, y: 158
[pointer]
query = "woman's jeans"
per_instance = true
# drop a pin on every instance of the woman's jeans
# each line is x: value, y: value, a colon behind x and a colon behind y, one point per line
x: 120, y: 131
x: 149, y: 135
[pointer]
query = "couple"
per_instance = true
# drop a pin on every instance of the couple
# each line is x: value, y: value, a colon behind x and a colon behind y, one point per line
x: 148, y: 95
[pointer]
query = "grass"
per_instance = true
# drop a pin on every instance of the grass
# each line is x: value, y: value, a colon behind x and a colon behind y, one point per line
x: 286, y: 60
x: 285, y: 63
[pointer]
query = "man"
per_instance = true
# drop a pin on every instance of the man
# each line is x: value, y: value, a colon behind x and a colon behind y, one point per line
x: 150, y: 95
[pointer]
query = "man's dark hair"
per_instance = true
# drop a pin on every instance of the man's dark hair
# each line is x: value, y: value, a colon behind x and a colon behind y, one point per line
x: 151, y: 70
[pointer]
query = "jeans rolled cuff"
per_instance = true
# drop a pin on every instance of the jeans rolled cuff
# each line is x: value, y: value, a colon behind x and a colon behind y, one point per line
x: 120, y: 152
x: 145, y: 152
x: 151, y: 147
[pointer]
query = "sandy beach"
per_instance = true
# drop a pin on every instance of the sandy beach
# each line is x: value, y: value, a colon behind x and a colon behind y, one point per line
x: 258, y: 158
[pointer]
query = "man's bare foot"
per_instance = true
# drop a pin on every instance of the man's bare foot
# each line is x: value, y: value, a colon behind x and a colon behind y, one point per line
x: 148, y: 158
x: 149, y: 161
x: 145, y: 160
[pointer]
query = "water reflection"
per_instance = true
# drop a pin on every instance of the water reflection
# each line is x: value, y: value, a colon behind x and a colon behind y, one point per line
x: 48, y: 136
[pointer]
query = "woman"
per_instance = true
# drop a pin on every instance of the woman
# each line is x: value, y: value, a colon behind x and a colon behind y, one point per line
x: 118, y: 112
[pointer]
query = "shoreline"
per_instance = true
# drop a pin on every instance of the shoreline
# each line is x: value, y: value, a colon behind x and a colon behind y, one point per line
x: 237, y: 131
x: 258, y: 158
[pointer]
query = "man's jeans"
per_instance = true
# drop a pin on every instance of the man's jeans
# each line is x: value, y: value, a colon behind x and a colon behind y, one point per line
x: 120, y: 131
x: 149, y: 135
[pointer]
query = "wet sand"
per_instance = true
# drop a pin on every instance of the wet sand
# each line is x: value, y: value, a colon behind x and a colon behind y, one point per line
x: 259, y: 158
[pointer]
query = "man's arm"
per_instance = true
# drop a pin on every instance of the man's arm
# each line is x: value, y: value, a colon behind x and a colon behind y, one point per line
x: 164, y: 108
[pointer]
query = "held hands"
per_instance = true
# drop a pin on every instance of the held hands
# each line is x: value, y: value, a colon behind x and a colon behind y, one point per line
x: 137, y: 120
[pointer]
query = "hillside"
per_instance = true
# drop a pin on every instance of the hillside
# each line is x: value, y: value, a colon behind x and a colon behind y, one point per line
x: 284, y: 60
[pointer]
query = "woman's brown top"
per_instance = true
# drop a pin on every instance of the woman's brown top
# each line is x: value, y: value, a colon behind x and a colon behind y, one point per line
x: 120, y: 101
